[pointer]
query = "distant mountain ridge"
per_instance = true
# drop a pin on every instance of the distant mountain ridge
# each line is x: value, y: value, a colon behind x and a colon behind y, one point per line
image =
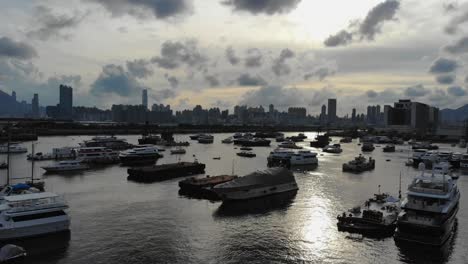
x: 454, y: 115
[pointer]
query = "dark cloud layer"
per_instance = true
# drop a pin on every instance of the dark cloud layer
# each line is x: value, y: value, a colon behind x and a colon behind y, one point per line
x: 115, y: 80
x: 456, y: 91
x: 368, y: 28
x: 50, y: 25
x: 461, y: 46
x: 249, y: 80
x: 17, y: 50
x: 443, y: 65
x: 142, y: 9
x: 139, y: 68
x: 416, y: 91
x: 173, y: 81
x: 454, y: 24
x: 268, y: 7
x: 320, y: 73
x: 231, y: 56
x: 212, y: 80
x: 174, y: 54
x: 445, y: 79
x: 254, y: 58
x: 279, y: 65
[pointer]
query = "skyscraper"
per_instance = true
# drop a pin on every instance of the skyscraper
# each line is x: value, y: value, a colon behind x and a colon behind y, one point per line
x: 35, y: 106
x: 144, y: 98
x: 353, y: 115
x: 331, y: 110
x: 66, y: 102
x: 13, y: 94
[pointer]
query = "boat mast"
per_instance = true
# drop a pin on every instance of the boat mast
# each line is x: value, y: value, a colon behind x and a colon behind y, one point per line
x: 399, y: 190
x: 32, y: 163
x: 8, y: 156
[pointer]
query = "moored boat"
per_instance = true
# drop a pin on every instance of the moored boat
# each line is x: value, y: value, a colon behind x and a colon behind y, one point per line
x: 12, y: 149
x: 165, y: 171
x: 359, y: 164
x: 146, y: 154
x: 97, y: 155
x: 389, y: 148
x: 335, y: 148
x: 65, y: 166
x: 203, y: 187
x: 205, y: 139
x: 367, y: 146
x: 246, y: 154
x: 376, y: 217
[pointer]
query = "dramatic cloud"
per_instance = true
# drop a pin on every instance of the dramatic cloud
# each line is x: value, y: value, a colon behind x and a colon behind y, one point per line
x: 115, y: 80
x: 416, y: 91
x: 143, y: 9
x: 320, y: 73
x: 341, y: 38
x: 279, y: 65
x: 139, y: 68
x: 173, y: 81
x: 231, y: 56
x: 368, y: 28
x: 455, y: 23
x: 443, y: 65
x: 445, y: 79
x: 248, y: 80
x: 212, y: 80
x: 254, y: 58
x: 461, y: 46
x: 456, y: 91
x: 278, y: 96
x: 268, y: 7
x: 175, y: 54
x: 70, y: 80
x: 17, y: 50
x: 161, y: 95
x: 50, y: 25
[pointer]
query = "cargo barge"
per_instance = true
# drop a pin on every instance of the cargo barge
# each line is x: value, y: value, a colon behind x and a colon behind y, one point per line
x: 165, y: 171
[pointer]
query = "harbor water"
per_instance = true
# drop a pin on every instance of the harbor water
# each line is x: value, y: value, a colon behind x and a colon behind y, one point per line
x: 114, y: 220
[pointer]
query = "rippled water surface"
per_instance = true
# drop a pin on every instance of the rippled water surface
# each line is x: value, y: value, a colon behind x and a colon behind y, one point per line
x: 118, y: 221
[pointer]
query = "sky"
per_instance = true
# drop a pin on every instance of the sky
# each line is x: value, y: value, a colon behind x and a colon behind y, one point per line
x: 220, y: 53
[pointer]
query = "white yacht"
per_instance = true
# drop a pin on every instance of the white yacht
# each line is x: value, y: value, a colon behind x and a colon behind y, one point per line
x: 97, y: 155
x: 303, y: 157
x: 258, y: 184
x: 279, y: 156
x: 430, y: 209
x: 57, y: 154
x: 140, y: 155
x: 14, y: 148
x: 66, y: 165
x: 335, y: 148
x: 27, y: 215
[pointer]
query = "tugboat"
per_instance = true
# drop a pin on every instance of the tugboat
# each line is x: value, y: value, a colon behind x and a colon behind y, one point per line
x: 320, y: 141
x: 377, y: 217
x: 367, y: 146
x: 359, y: 164
x: 389, y: 148
x: 246, y: 154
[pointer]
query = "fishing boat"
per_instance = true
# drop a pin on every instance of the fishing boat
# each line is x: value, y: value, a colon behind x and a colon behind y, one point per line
x: 376, y: 217
x: 367, y: 146
x: 320, y: 141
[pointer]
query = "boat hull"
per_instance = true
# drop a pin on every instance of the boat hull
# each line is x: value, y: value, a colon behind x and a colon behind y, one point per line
x: 136, y: 160
x: 56, y: 170
x: 165, y: 172
x: 245, y: 194
x: 58, y: 224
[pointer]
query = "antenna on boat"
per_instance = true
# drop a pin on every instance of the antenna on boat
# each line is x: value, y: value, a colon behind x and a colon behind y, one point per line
x: 399, y: 189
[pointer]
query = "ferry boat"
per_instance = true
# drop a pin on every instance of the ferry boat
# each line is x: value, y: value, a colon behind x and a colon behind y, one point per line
x: 367, y: 146
x: 27, y: 215
x: 13, y: 148
x: 142, y: 155
x: 110, y: 142
x: 279, y: 156
x: 376, y: 217
x: 335, y: 148
x: 258, y: 184
x: 97, y: 155
x: 205, y: 139
x: 359, y: 164
x: 165, y: 171
x: 66, y: 165
x: 429, y: 211
x: 289, y: 144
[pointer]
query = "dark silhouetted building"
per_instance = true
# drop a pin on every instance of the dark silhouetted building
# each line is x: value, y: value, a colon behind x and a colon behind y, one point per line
x: 35, y: 106
x: 144, y: 98
x: 331, y: 110
x: 407, y: 115
x: 65, y: 106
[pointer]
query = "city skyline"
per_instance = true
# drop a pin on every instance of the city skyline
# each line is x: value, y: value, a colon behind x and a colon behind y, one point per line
x: 395, y: 50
